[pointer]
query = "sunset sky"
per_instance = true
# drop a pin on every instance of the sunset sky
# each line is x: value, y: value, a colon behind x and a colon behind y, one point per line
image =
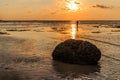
x: 60, y: 9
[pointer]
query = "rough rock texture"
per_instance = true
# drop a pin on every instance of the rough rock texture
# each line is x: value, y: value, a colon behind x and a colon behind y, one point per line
x: 77, y: 52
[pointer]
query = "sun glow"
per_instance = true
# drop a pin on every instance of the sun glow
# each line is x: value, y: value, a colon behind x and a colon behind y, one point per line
x: 72, y: 5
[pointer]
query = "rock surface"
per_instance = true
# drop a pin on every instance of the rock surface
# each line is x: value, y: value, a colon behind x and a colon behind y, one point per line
x: 77, y: 52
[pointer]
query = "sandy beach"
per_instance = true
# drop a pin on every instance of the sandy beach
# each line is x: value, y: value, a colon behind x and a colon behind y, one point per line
x: 25, y: 53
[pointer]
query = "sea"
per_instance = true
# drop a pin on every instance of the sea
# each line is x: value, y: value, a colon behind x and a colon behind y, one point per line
x: 3, y: 23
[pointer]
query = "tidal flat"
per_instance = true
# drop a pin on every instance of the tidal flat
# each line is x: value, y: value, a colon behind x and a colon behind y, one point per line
x: 25, y: 54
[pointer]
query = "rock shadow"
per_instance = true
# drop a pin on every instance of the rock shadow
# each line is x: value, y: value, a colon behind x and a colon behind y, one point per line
x: 64, y: 70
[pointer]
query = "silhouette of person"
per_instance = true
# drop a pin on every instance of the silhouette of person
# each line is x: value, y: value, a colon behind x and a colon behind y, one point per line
x: 77, y: 24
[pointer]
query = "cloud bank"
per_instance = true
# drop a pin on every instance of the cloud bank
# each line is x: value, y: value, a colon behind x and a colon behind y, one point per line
x: 102, y: 6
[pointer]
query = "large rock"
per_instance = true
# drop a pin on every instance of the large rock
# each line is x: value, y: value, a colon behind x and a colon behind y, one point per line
x: 77, y: 52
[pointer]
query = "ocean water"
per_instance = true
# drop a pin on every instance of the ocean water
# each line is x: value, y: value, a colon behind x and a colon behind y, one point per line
x: 26, y: 48
x: 57, y: 23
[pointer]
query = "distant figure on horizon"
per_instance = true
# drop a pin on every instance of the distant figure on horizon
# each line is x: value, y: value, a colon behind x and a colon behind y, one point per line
x: 77, y: 22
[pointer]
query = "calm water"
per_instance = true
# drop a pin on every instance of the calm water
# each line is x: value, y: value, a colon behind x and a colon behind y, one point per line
x: 58, y: 23
x: 25, y: 52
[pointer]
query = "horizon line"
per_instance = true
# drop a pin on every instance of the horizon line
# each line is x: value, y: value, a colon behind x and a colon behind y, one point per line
x: 63, y: 20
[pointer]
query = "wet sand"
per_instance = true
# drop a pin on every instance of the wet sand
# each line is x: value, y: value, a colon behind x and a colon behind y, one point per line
x: 25, y: 54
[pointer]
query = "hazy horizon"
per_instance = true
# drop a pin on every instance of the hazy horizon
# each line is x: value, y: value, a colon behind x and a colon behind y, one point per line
x: 58, y: 20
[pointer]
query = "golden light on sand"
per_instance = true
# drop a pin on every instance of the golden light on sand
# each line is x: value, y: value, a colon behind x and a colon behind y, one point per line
x: 72, y: 5
x: 73, y: 32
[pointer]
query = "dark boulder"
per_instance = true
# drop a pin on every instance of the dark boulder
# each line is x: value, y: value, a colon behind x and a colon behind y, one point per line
x: 76, y: 52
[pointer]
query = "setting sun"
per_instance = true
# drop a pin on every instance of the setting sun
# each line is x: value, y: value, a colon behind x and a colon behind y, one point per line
x: 72, y: 6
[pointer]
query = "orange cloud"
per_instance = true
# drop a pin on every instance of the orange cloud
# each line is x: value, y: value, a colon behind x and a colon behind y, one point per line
x: 102, y: 6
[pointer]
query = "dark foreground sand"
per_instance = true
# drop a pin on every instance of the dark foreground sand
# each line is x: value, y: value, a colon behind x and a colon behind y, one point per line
x: 25, y: 54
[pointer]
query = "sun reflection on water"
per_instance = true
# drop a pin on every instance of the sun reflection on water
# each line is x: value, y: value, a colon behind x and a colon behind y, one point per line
x: 73, y: 31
